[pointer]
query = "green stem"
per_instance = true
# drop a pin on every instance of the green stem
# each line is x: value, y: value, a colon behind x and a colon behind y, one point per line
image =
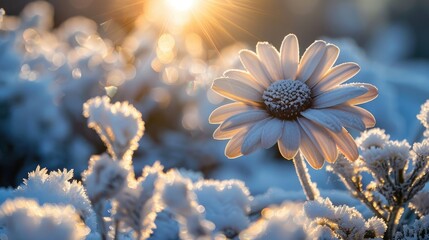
x: 310, y: 189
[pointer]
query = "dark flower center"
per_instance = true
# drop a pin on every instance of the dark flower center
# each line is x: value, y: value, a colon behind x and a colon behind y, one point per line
x: 286, y: 99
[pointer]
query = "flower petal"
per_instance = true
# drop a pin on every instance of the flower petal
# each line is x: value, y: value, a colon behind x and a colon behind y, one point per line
x: 346, y: 118
x: 370, y: 95
x: 271, y: 60
x: 219, y: 134
x: 290, y: 140
x: 252, y: 140
x: 335, y: 76
x: 322, y: 117
x: 338, y: 95
x: 320, y: 138
x: 252, y: 64
x: 310, y: 152
x: 233, y: 147
x: 225, y: 111
x: 238, y: 91
x: 271, y: 133
x: 327, y: 61
x: 244, y: 77
x: 310, y: 59
x: 237, y: 121
x: 289, y: 55
x: 367, y: 118
x: 346, y: 144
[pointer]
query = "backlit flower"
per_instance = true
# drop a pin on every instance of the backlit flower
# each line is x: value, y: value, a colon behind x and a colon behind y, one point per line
x: 299, y: 103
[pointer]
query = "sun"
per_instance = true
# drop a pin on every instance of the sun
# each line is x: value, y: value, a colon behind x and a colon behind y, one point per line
x: 182, y: 5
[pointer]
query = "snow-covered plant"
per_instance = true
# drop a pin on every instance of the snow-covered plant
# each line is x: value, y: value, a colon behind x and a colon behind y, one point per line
x: 424, y: 117
x: 398, y: 172
x: 342, y: 222
x: 419, y: 229
x: 176, y: 194
x: 22, y: 219
x: 226, y: 203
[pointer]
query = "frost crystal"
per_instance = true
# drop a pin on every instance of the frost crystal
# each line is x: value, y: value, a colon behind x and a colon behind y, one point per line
x: 57, y: 188
x: 227, y: 204
x: 421, y: 149
x: 420, y: 204
x: 343, y: 221
x: 418, y: 230
x: 119, y: 125
x: 423, y: 116
x: 25, y: 219
x: 104, y: 177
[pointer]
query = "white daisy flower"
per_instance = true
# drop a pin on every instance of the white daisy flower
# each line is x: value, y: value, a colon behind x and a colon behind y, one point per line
x: 299, y: 103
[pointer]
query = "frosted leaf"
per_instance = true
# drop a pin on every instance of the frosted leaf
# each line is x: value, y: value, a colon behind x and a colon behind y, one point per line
x: 227, y: 204
x: 423, y: 116
x: 25, y: 219
x: 104, y: 177
x: 57, y: 187
x: 119, y: 125
x: 278, y: 223
x: 372, y: 138
x: 137, y: 205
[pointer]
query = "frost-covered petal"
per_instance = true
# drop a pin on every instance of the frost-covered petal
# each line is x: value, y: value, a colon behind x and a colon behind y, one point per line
x: 310, y: 59
x: 327, y: 61
x: 310, y: 151
x: 323, y: 118
x: 368, y: 96
x: 244, y: 77
x: 338, y: 95
x: 346, y: 144
x: 238, y: 91
x: 290, y: 140
x: 320, y: 138
x: 271, y: 132
x: 271, y: 60
x: 336, y: 76
x: 347, y: 120
x: 252, y: 64
x: 357, y: 112
x: 233, y: 147
x: 289, y: 54
x: 223, y: 112
x: 252, y: 140
x: 241, y: 119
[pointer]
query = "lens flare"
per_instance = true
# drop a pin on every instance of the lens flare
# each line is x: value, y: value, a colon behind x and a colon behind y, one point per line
x: 182, y: 5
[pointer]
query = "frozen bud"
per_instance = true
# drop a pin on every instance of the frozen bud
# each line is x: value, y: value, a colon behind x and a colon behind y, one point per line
x: 375, y: 160
x: 421, y: 149
x: 23, y: 219
x: 372, y: 138
x: 104, y: 177
x: 397, y: 153
x: 376, y: 226
x: 343, y: 167
x: 423, y: 116
x: 119, y: 125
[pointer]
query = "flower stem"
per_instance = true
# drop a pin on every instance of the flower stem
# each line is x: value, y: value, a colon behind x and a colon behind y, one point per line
x: 310, y: 189
x: 101, y: 223
x: 393, y: 221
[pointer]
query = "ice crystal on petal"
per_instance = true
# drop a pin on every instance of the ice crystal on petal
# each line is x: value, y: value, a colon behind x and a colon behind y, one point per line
x: 24, y: 219
x: 119, y: 125
x: 104, y: 177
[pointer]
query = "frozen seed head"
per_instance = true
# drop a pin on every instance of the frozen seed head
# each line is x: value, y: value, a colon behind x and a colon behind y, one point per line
x: 421, y: 149
x: 423, y: 116
x: 286, y: 99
